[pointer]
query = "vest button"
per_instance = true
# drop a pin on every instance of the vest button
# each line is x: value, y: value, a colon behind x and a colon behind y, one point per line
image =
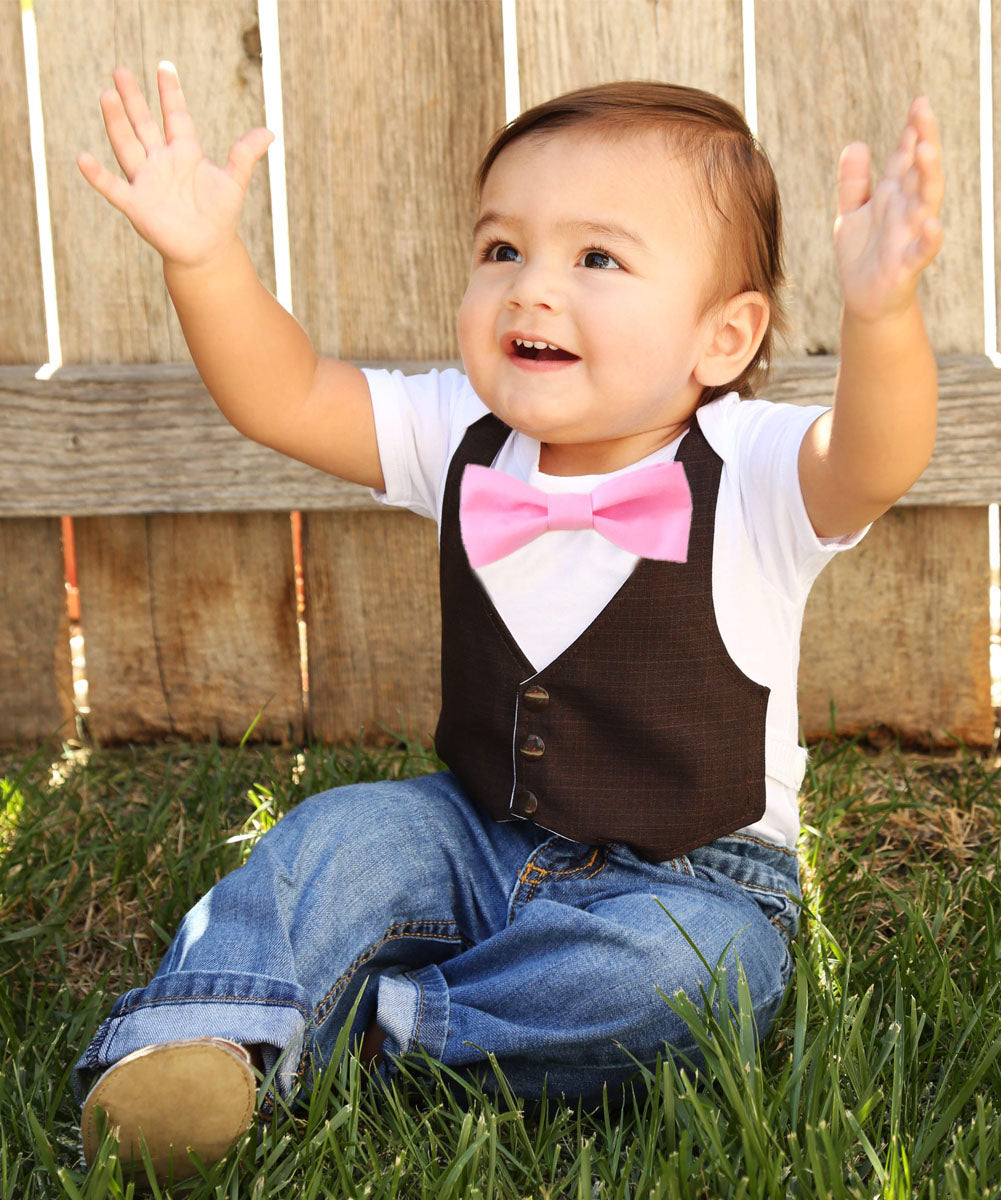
x: 536, y: 697
x: 533, y: 746
x: 527, y: 801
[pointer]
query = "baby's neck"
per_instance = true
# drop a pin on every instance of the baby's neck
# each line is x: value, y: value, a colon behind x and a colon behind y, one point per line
x: 602, y: 458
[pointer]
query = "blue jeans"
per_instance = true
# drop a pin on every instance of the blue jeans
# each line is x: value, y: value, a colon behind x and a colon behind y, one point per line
x: 470, y: 935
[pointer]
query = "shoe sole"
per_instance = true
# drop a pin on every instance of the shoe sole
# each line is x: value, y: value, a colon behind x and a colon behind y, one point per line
x: 178, y: 1096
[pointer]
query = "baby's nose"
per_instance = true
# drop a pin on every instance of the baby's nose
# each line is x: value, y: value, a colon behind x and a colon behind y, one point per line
x: 536, y: 285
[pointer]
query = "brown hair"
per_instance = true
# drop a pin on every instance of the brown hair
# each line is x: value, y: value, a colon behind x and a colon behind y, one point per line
x: 742, y: 197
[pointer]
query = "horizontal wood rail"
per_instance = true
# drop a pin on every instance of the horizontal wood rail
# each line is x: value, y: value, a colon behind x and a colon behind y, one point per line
x: 114, y: 440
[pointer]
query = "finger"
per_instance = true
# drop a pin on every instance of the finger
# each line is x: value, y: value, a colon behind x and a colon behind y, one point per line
x: 923, y: 119
x: 902, y: 158
x: 137, y: 110
x: 112, y: 187
x: 910, y: 184
x: 246, y: 153
x: 926, y: 245
x: 919, y: 128
x: 931, y: 179
x: 122, y: 137
x: 853, y: 177
x: 177, y: 120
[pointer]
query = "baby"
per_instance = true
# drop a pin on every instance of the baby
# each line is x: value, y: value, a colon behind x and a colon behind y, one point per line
x: 628, y: 539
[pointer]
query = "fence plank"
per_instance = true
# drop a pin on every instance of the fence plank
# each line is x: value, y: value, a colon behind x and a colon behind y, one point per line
x: 35, y: 680
x: 565, y: 44
x: 914, y: 653
x: 996, y: 93
x: 112, y: 298
x: 148, y: 616
x: 210, y: 633
x: 380, y: 164
x: 373, y: 611
x: 148, y: 439
x: 22, y: 318
x: 866, y: 75
x: 36, y: 685
x: 387, y: 107
x: 925, y: 669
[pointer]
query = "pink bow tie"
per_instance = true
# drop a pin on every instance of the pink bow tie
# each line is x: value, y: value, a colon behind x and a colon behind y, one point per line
x: 647, y: 512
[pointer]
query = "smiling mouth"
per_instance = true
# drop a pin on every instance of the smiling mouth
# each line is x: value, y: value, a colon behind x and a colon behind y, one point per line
x: 541, y: 351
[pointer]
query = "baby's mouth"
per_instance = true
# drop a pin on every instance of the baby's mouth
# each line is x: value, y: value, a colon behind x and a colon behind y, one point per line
x: 541, y: 351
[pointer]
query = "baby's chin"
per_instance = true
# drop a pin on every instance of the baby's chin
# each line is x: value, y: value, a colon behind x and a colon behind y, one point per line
x: 534, y: 425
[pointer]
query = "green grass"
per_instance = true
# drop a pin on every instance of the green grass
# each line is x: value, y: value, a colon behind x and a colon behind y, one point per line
x: 882, y: 1077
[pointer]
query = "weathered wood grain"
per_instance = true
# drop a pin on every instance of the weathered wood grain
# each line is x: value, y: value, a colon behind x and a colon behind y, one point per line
x: 387, y: 107
x: 148, y: 618
x: 36, y: 683
x: 565, y: 44
x: 996, y: 91
x: 911, y: 599
x: 22, y: 317
x: 373, y: 625
x: 35, y: 679
x: 900, y: 627
x: 965, y: 468
x: 147, y: 439
x: 140, y: 439
x: 113, y: 305
x: 213, y: 636
x: 829, y: 74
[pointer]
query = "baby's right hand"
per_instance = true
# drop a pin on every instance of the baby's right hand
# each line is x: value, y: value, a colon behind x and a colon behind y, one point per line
x: 186, y: 207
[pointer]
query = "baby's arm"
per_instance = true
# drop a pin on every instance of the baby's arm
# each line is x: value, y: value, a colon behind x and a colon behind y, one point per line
x: 255, y: 359
x: 857, y: 460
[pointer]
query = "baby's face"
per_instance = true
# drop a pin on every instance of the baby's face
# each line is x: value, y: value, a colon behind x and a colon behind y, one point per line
x: 582, y: 323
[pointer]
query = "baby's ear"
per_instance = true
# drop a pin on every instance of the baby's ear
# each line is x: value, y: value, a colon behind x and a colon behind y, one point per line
x: 737, y: 329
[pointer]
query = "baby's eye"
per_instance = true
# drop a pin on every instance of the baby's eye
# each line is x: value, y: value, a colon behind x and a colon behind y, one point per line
x: 502, y: 252
x: 598, y: 260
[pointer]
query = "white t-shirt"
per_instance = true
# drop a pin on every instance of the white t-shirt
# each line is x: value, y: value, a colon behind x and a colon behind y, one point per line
x: 765, y: 557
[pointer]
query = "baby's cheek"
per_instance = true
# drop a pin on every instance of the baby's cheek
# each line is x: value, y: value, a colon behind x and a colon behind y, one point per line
x: 466, y: 322
x: 474, y: 328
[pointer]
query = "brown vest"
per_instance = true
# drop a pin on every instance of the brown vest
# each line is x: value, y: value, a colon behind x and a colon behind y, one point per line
x: 643, y: 731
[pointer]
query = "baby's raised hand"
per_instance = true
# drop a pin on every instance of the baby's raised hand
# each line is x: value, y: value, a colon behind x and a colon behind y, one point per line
x: 885, y: 237
x: 186, y: 207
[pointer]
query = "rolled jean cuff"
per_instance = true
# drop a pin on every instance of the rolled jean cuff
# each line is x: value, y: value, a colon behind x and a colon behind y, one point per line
x: 412, y: 1009
x: 247, y: 1009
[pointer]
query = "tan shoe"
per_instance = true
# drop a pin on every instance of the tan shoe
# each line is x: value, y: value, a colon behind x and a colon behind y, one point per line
x: 198, y: 1094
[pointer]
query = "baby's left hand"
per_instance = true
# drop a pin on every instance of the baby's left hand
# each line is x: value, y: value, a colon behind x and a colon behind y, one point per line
x: 885, y: 238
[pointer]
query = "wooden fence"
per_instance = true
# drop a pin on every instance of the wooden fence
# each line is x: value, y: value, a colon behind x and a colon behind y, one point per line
x: 182, y: 528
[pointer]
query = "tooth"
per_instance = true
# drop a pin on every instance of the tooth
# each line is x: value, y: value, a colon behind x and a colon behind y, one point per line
x: 542, y: 346
x: 518, y: 342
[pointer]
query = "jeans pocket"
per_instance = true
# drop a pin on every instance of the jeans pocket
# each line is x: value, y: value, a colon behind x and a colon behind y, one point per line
x: 779, y: 906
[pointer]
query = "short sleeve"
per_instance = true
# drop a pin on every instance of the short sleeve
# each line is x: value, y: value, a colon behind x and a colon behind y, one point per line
x: 418, y: 419
x: 761, y: 455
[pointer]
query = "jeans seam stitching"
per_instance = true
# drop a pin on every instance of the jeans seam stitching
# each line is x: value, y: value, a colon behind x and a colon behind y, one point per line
x: 781, y: 893
x: 598, y: 871
x: 542, y: 871
x: 183, y: 999
x: 781, y: 928
x: 746, y: 837
x: 525, y: 878
x: 321, y: 1011
x: 420, y: 1014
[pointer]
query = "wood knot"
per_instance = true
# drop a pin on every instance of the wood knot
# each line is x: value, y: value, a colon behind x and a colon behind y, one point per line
x: 252, y: 42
